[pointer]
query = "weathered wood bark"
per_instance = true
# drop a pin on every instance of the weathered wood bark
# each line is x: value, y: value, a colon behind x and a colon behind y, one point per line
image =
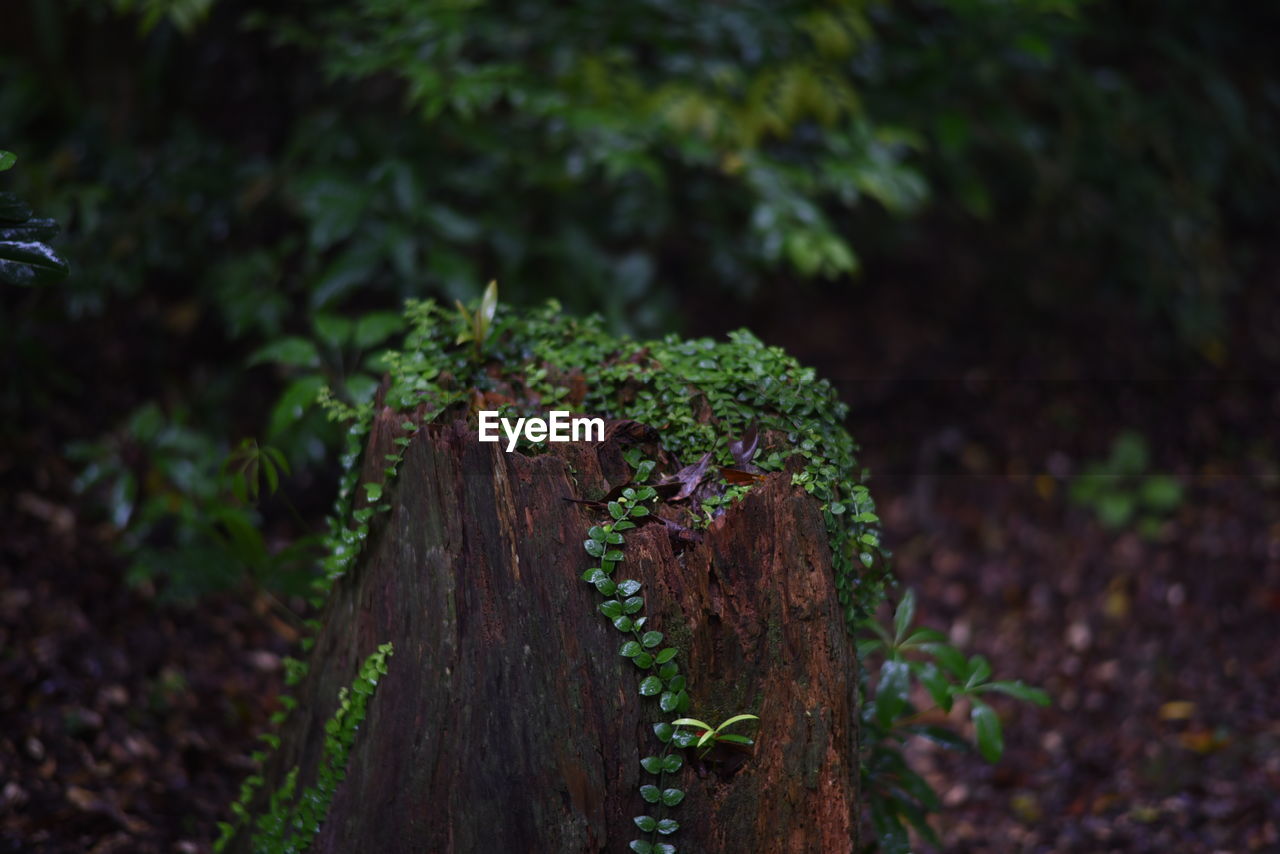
x: 508, y: 722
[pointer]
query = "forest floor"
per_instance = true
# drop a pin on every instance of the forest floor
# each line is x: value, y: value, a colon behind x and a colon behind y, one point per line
x: 128, y: 722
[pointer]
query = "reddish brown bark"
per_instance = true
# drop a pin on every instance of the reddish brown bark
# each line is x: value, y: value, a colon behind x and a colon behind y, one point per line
x: 508, y: 722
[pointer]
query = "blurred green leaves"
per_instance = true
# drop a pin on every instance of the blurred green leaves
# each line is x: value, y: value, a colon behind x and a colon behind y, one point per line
x: 25, y: 255
x: 899, y: 797
x: 1122, y: 492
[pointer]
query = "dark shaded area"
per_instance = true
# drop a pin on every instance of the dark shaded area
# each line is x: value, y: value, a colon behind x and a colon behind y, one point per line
x: 1159, y: 652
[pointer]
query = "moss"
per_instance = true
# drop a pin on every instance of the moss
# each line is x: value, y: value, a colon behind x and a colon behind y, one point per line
x: 698, y: 394
x: 291, y: 820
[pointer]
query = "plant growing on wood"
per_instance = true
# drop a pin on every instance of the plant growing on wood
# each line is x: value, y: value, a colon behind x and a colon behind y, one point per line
x: 662, y: 677
x: 293, y: 818
x: 743, y: 388
x: 709, y: 736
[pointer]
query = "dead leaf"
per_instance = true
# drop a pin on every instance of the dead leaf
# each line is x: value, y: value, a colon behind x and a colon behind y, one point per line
x: 744, y: 449
x: 738, y: 477
x: 690, y: 477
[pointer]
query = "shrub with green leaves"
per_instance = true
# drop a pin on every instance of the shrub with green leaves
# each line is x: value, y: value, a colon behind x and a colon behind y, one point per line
x: 908, y: 657
x: 1122, y: 492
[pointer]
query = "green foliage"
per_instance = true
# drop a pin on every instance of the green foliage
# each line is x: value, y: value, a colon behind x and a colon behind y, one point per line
x: 1118, y: 144
x: 292, y: 819
x: 1121, y: 491
x: 188, y: 512
x: 184, y: 15
x: 218, y: 541
x: 914, y: 662
x: 742, y: 382
x: 616, y: 159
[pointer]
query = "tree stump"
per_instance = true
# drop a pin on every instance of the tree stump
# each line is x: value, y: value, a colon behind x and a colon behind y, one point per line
x: 508, y: 721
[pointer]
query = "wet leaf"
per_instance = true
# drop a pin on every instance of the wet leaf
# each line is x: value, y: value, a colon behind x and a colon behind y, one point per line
x: 744, y: 450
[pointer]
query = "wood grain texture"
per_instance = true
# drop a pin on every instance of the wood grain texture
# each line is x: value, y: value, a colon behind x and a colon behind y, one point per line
x: 509, y: 723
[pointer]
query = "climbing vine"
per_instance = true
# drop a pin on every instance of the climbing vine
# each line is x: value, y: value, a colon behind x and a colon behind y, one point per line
x: 292, y: 819
x: 661, y: 673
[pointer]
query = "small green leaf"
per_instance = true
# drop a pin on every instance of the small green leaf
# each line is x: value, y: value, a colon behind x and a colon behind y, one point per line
x: 613, y: 555
x: 594, y: 574
x: 611, y: 609
x: 632, y: 604
x: 644, y: 661
x: 684, y: 738
x: 628, y: 587
x: 652, y: 764
x: 650, y: 685
x: 902, y: 617
x: 664, y: 848
x: 987, y: 728
x: 595, y: 532
x: 291, y: 351
x: 733, y: 738
x: 736, y: 719
x: 623, y: 525
x: 640, y: 511
x: 646, y: 823
x: 923, y: 636
x: 891, y: 693
x: 606, y: 586
x: 693, y: 722
x: 666, y: 655
x: 672, y: 763
x: 936, y: 684
x: 372, y: 491
x: 595, y: 548
x: 979, y: 671
x: 950, y: 658
x: 1019, y: 690
x: 668, y: 671
x: 376, y: 327
x: 651, y: 793
x: 613, y: 538
x: 623, y: 624
x: 663, y: 731
x: 640, y: 846
x: 668, y: 701
x: 651, y: 639
x: 8, y: 158
x: 672, y: 797
x: 675, y: 683
x: 940, y: 735
x: 630, y: 649
x: 615, y: 510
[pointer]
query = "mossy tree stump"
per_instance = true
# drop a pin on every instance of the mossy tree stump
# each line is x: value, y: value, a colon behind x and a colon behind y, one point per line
x: 508, y: 720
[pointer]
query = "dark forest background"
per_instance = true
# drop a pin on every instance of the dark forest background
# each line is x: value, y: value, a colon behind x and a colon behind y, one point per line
x: 1031, y: 241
